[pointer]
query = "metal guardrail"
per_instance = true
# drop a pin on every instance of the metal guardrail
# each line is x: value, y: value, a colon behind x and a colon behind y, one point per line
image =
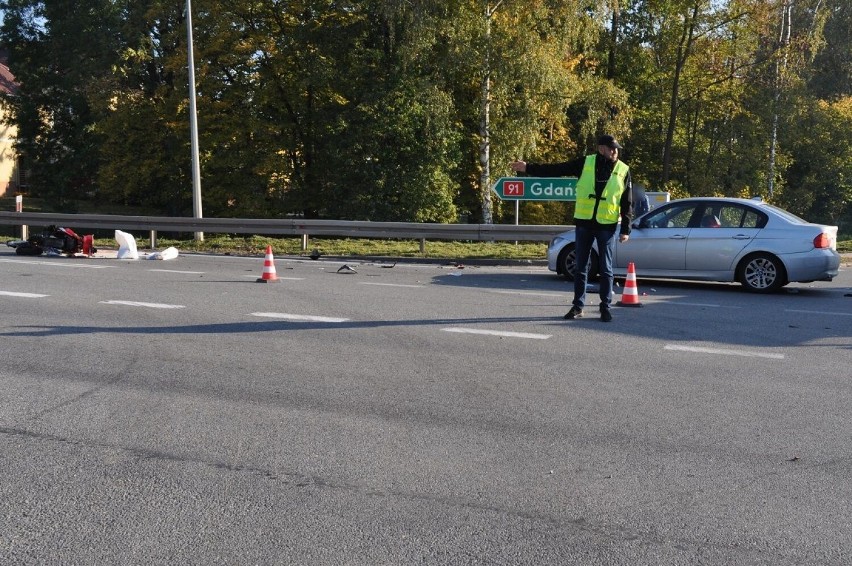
x: 288, y: 227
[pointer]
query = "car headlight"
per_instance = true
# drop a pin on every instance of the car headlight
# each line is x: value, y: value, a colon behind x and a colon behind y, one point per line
x: 556, y: 240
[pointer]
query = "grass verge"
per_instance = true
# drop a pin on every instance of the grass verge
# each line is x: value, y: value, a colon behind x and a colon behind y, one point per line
x: 357, y: 247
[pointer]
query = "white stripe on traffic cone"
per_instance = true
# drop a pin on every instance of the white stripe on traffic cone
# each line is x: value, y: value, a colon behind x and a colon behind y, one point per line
x: 268, y: 268
x: 630, y: 296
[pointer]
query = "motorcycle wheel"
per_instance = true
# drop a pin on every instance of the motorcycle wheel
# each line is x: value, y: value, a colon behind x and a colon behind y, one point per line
x: 28, y: 249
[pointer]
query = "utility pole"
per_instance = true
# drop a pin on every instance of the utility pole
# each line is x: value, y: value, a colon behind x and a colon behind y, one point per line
x: 193, y: 124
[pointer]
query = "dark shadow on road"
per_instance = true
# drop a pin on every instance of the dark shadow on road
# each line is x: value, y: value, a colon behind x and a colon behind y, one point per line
x: 260, y: 326
x: 548, y: 282
x: 675, y: 327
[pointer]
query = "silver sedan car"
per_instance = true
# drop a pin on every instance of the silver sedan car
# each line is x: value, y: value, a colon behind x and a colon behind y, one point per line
x: 717, y: 239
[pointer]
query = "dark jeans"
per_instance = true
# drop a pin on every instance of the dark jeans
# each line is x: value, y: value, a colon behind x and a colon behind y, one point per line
x: 584, y: 238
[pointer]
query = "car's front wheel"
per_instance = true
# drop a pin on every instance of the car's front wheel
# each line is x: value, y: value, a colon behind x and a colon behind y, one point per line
x: 567, y: 263
x: 762, y: 273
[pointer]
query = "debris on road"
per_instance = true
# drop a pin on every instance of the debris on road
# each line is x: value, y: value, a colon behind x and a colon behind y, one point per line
x: 126, y: 246
x: 166, y: 254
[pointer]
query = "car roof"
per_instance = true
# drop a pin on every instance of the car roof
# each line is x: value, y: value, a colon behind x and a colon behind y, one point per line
x: 757, y: 201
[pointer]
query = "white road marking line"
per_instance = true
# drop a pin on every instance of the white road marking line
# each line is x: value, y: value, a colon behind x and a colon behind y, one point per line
x: 710, y: 305
x: 277, y: 277
x: 56, y: 264
x: 724, y: 352
x: 176, y: 271
x: 530, y: 293
x: 820, y: 312
x: 299, y: 317
x: 138, y: 304
x: 498, y: 333
x: 392, y: 285
x: 24, y: 295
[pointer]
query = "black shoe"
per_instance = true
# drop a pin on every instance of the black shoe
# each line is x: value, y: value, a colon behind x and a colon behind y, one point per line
x: 575, y: 312
x: 606, y: 316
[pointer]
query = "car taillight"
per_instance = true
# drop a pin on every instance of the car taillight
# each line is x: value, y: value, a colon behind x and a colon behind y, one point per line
x: 822, y: 241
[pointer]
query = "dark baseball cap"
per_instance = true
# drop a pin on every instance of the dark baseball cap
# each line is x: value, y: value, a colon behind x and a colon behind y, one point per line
x: 609, y: 141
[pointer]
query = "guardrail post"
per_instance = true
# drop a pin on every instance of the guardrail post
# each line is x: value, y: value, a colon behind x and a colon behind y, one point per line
x: 423, y: 246
x: 153, y: 239
x: 19, y: 207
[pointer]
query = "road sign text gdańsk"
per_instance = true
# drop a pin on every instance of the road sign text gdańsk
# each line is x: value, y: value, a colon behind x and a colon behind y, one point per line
x: 536, y: 188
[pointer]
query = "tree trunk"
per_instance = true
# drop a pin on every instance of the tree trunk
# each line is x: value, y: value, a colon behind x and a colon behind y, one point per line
x: 683, y: 51
x: 610, y: 72
x: 780, y: 67
x: 484, y: 125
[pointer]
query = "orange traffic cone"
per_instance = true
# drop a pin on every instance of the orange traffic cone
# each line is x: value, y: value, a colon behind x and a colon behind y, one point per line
x: 630, y: 297
x: 268, y: 268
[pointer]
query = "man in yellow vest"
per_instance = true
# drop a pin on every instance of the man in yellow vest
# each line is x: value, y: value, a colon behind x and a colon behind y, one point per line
x: 604, y: 195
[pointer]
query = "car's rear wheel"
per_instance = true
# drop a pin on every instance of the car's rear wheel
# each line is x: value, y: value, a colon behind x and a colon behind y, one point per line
x: 567, y: 263
x: 762, y: 273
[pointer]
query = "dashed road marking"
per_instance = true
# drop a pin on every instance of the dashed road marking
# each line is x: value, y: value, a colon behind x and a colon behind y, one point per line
x: 392, y: 285
x: 23, y: 295
x: 176, y: 271
x: 724, y: 352
x: 56, y: 263
x: 278, y: 277
x: 709, y: 305
x: 139, y: 304
x: 502, y: 333
x: 530, y: 293
x: 824, y: 313
x: 299, y: 317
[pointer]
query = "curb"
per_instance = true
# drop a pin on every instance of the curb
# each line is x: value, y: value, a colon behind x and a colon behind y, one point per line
x: 429, y: 261
x: 110, y: 253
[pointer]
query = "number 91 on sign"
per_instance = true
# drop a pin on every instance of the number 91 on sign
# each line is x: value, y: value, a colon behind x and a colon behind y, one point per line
x: 536, y: 188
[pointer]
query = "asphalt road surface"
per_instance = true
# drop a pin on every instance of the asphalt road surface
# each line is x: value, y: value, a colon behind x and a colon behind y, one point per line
x: 179, y: 412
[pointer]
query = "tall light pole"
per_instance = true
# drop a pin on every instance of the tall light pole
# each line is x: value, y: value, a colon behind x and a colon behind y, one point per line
x: 193, y: 124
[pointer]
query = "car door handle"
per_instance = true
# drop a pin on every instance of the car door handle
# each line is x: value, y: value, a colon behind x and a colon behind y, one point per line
x: 677, y: 237
x: 742, y: 237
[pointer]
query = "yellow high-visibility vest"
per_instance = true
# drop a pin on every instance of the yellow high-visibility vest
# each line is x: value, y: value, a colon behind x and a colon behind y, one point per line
x: 609, y: 208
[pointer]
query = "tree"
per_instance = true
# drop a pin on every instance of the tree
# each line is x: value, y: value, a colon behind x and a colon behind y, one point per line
x: 143, y: 117
x: 820, y: 173
x: 58, y: 73
x: 830, y: 76
x: 514, y: 70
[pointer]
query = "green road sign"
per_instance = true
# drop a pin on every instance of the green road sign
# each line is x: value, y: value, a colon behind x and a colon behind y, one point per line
x: 536, y: 188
